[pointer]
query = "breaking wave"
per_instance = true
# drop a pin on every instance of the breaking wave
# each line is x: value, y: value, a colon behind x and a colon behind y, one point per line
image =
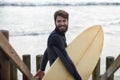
x: 22, y: 4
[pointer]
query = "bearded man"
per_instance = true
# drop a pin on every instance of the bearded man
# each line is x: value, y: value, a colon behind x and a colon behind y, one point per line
x: 56, y: 46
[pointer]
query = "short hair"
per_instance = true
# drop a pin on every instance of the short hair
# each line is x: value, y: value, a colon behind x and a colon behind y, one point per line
x: 61, y: 13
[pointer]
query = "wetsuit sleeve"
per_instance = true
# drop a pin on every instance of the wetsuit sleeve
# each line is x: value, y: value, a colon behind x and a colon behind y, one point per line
x: 44, y: 61
x: 60, y: 50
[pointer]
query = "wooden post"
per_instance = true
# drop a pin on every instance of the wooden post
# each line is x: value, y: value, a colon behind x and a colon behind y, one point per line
x: 26, y: 60
x: 96, y: 72
x: 112, y: 69
x: 109, y: 61
x: 38, y: 62
x: 13, y: 72
x: 4, y: 61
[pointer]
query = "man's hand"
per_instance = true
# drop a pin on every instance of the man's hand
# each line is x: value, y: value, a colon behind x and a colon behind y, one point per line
x: 39, y: 74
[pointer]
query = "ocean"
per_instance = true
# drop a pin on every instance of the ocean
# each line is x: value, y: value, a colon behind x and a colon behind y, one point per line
x: 29, y: 25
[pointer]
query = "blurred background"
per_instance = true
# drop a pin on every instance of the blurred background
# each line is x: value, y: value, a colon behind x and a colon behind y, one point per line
x: 30, y: 22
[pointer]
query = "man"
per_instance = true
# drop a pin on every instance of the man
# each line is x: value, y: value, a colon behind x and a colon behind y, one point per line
x: 56, y: 46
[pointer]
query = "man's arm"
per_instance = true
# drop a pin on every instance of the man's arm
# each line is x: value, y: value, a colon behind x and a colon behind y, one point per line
x: 60, y: 50
x: 44, y: 61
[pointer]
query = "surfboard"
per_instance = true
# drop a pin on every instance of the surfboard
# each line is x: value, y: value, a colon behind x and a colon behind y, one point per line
x: 12, y: 54
x: 84, y: 51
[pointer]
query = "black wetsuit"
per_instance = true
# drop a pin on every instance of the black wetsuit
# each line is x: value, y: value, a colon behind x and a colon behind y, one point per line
x: 56, y: 48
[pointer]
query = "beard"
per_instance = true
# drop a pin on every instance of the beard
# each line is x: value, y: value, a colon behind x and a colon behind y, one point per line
x: 62, y: 28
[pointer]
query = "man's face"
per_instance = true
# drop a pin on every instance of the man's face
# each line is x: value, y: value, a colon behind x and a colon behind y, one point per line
x: 61, y: 24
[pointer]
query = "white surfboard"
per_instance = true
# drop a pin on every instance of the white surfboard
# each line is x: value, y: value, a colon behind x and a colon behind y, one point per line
x: 84, y: 51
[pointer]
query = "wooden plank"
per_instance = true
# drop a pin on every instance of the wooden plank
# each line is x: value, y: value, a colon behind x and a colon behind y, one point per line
x: 13, y: 72
x: 96, y: 72
x: 4, y: 61
x: 114, y: 66
x: 109, y: 61
x: 27, y: 61
x: 12, y: 54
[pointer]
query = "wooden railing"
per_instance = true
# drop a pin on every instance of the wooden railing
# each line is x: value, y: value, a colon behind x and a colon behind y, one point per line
x: 95, y: 75
x: 8, y: 71
x: 111, y: 69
